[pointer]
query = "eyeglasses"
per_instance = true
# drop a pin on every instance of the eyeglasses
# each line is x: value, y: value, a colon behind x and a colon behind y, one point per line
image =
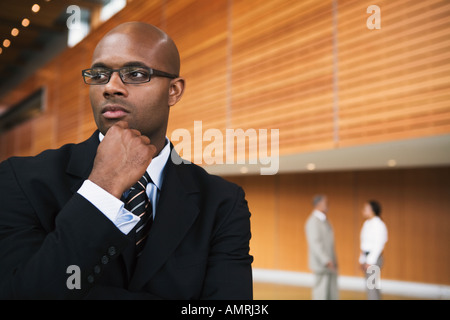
x: 131, y: 75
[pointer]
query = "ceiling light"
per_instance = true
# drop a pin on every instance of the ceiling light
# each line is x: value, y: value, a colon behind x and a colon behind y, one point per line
x: 35, y: 8
x: 1, y: 50
x: 25, y: 22
x: 14, y: 32
x: 392, y: 163
x: 244, y: 170
x: 311, y: 166
x: 6, y: 43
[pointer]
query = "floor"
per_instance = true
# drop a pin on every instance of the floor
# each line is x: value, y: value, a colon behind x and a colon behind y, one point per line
x: 269, y: 291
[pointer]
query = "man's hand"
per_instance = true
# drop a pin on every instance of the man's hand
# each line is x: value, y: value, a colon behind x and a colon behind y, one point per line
x: 121, y: 160
x: 331, y: 266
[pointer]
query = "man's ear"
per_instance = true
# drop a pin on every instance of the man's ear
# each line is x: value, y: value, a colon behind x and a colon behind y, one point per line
x: 176, y: 90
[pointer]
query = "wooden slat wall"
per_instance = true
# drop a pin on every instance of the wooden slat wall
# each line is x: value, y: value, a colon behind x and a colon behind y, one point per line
x: 282, y: 71
x: 415, y: 205
x: 393, y: 82
x: 202, y: 42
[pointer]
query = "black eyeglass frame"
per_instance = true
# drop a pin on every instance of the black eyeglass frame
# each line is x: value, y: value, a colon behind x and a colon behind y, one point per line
x: 151, y: 71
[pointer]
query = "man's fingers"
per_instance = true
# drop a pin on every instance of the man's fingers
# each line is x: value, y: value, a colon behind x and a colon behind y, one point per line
x: 153, y: 149
x: 145, y: 139
x: 127, y: 132
x: 135, y: 132
x: 122, y: 124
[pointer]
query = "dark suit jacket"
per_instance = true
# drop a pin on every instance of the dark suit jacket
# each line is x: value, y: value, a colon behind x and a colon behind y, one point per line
x: 198, y: 247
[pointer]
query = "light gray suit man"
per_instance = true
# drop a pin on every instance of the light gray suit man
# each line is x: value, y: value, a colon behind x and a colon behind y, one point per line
x: 321, y: 251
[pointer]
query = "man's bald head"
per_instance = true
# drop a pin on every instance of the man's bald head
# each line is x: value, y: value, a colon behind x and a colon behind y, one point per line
x: 144, y: 106
x: 144, y: 36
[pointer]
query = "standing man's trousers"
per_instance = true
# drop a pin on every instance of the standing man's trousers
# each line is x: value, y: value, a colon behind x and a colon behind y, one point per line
x: 325, y: 286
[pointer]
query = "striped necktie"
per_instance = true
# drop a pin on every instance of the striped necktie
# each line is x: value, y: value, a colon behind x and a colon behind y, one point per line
x: 139, y: 204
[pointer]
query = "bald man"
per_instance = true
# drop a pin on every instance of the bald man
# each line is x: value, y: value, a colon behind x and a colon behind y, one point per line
x: 66, y: 231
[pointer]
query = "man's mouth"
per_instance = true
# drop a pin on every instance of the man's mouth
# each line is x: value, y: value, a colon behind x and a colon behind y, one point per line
x: 114, y: 112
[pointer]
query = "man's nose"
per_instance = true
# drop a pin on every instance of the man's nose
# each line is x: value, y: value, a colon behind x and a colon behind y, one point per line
x: 115, y: 87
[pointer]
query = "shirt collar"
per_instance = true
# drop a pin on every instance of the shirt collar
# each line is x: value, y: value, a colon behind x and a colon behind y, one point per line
x: 374, y: 219
x: 320, y: 215
x: 156, y: 167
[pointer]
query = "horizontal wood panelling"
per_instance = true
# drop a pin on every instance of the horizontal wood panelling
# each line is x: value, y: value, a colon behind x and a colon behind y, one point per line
x: 202, y: 42
x: 393, y: 82
x: 282, y: 71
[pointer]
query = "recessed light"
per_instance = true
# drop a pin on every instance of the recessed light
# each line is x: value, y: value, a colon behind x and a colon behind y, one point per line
x: 311, y: 166
x: 14, y: 32
x: 6, y: 43
x: 392, y: 163
x: 244, y: 170
x: 35, y: 8
x: 25, y: 22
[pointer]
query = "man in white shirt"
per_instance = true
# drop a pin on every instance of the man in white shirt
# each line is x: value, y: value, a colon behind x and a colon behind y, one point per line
x: 322, y: 256
x: 373, y: 239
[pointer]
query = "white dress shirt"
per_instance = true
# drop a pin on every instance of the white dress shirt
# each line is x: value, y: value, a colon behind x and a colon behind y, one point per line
x: 320, y: 215
x: 113, y: 208
x: 373, y: 237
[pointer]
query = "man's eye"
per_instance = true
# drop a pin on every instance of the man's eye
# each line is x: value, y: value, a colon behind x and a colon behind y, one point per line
x: 98, y: 75
x: 137, y: 74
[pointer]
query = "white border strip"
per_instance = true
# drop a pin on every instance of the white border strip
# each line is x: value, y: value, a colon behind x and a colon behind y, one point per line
x: 394, y: 287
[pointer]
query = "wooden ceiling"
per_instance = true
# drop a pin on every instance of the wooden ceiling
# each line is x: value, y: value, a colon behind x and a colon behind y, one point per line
x: 45, y: 25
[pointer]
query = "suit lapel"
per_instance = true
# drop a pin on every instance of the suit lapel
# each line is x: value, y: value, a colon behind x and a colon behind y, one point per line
x: 176, y: 211
x: 81, y: 161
